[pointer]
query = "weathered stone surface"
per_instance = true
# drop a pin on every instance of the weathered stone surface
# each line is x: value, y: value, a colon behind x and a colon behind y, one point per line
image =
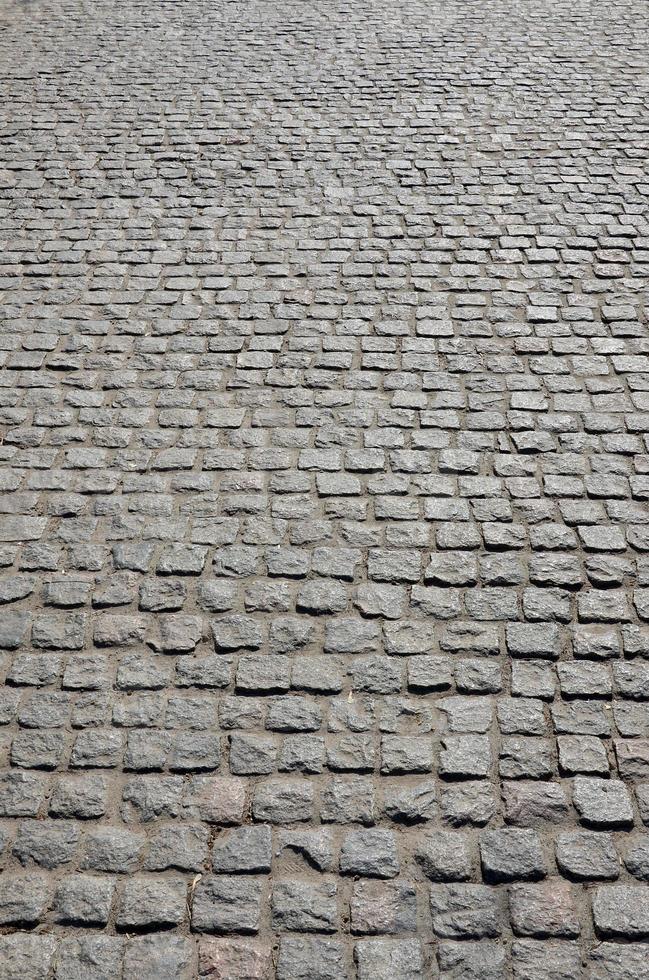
x: 226, y: 904
x: 99, y: 957
x: 371, y: 853
x: 466, y: 911
x: 245, y: 849
x: 472, y: 961
x: 446, y: 856
x: 23, y: 899
x: 384, y: 959
x: 158, y: 956
x: 84, y: 900
x: 615, y: 961
x: 304, y: 906
x: 233, y: 959
x: 534, y: 959
x: 378, y: 908
x: 151, y: 902
x: 587, y: 856
x: 602, y: 802
x: 324, y: 488
x: 621, y: 911
x: 512, y: 855
x: 303, y: 958
x: 48, y: 844
x: 25, y: 955
x: 546, y: 909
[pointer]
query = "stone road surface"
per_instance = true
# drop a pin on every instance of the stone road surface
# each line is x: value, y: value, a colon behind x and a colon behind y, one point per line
x: 324, y: 390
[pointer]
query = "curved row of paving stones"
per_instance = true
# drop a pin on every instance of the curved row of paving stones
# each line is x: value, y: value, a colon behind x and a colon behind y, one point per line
x: 324, y: 539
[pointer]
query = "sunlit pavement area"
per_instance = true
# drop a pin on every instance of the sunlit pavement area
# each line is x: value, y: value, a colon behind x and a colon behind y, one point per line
x: 324, y: 539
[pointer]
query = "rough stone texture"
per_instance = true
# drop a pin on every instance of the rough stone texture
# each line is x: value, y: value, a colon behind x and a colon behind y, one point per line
x: 324, y: 473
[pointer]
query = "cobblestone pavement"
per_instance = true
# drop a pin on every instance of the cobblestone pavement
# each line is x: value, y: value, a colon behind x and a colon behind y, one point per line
x: 324, y: 531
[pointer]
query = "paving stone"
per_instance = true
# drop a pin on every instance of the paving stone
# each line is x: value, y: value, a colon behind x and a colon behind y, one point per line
x: 225, y: 904
x: 471, y: 961
x: 280, y: 802
x: 465, y: 756
x: 306, y: 958
x: 378, y: 908
x: 84, y: 900
x: 624, y: 962
x: 48, y: 844
x: 245, y: 849
x: 81, y: 796
x: 621, y: 911
x: 26, y: 955
x: 533, y: 959
x: 314, y: 846
x: 173, y: 846
x: 636, y: 857
x: 149, y: 901
x: 90, y: 958
x: 546, y: 909
x: 231, y: 959
x: 632, y: 758
x: 582, y: 754
x: 511, y: 855
x: 112, y: 849
x: 14, y: 630
x: 23, y: 899
x: 406, y: 754
x: 301, y: 906
x: 466, y: 911
x: 584, y: 856
x: 161, y: 956
x: 217, y: 800
x: 535, y: 804
x: 371, y: 853
x: 383, y: 959
x: 446, y: 856
x: 602, y: 803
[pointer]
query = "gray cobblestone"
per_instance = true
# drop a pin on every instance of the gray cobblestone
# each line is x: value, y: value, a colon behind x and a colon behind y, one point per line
x: 324, y: 475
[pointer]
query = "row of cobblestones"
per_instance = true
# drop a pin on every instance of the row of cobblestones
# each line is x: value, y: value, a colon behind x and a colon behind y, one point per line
x: 324, y: 538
